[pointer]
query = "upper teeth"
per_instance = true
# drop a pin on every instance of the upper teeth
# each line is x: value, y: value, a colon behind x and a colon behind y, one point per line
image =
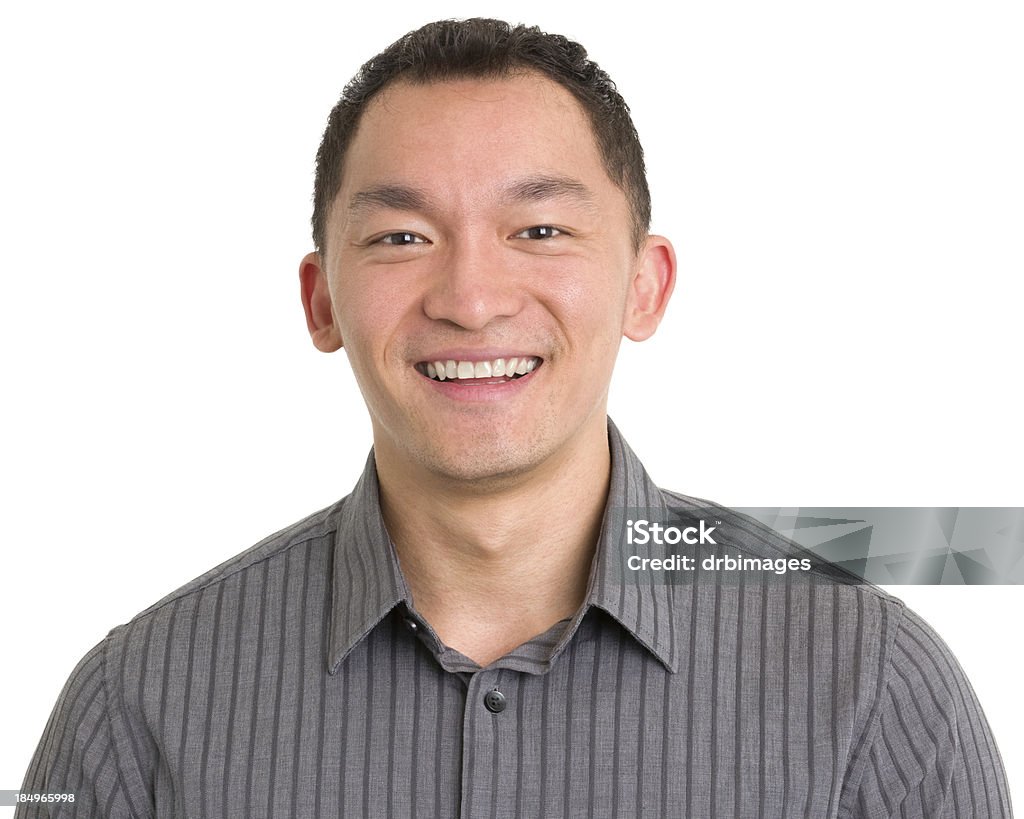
x: 442, y: 370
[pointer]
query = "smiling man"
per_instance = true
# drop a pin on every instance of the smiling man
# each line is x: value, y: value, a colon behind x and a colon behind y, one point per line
x: 464, y: 634
x: 481, y: 297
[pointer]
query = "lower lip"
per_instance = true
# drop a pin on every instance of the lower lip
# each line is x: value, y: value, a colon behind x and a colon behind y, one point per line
x: 481, y: 391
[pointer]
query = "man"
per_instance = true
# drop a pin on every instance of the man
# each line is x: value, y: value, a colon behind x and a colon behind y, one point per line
x: 472, y: 632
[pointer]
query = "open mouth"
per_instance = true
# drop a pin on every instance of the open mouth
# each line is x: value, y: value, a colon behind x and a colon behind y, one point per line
x: 494, y: 371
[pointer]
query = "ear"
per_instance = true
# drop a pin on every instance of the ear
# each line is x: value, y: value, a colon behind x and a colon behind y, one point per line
x: 650, y: 289
x: 316, y: 301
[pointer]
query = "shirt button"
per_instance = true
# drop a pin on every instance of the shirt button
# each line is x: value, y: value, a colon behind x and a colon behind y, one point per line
x: 495, y: 701
x: 412, y: 625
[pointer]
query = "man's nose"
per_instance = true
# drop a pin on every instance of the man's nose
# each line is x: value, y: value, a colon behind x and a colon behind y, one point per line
x: 474, y: 283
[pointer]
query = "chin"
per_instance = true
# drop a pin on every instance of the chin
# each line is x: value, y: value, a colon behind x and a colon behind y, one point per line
x: 485, y: 466
x: 487, y: 455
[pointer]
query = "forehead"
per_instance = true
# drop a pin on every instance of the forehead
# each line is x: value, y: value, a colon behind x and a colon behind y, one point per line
x: 473, y: 129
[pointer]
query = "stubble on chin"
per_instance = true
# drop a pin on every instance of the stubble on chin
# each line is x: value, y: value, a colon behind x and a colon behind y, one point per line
x: 481, y: 460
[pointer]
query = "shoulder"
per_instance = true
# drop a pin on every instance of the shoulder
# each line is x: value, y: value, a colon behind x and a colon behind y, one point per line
x: 931, y: 751
x: 823, y: 618
x: 921, y: 743
x: 796, y: 597
x: 103, y: 731
x: 314, y: 530
x: 176, y: 655
x: 238, y: 589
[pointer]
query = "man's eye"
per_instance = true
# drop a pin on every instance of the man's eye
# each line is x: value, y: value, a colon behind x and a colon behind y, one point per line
x: 400, y: 238
x: 539, y: 232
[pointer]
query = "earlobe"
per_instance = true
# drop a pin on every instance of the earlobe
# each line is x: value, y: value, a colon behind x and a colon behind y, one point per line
x: 316, y: 301
x: 650, y: 288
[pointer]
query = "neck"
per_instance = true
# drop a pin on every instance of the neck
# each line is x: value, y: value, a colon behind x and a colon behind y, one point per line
x: 491, y: 569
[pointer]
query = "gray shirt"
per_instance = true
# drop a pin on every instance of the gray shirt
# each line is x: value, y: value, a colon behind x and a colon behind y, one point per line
x: 298, y: 680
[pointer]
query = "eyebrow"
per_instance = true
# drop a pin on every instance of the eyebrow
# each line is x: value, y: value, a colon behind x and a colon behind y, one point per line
x: 393, y: 197
x: 535, y: 188
x: 542, y: 187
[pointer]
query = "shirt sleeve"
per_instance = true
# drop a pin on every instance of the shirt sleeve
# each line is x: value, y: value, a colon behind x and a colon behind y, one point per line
x: 76, y: 754
x: 933, y: 755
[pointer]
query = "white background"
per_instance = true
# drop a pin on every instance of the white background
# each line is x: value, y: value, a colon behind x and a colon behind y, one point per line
x: 843, y: 185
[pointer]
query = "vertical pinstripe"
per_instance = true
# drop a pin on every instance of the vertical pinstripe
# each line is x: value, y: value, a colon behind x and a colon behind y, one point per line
x: 691, y: 734
x: 811, y: 644
x: 592, y: 745
x: 762, y: 740
x: 346, y: 703
x: 787, y: 750
x: 739, y: 738
x: 296, y: 680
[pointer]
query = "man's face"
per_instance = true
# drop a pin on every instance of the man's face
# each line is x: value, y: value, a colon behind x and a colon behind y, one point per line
x: 475, y: 228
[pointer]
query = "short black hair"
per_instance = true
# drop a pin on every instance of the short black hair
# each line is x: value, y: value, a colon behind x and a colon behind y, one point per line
x: 484, y: 48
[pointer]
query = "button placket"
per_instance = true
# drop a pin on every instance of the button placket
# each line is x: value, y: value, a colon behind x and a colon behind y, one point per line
x: 482, y: 726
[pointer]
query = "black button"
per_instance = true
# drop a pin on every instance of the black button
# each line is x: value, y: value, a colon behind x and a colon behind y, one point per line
x: 495, y: 701
x: 412, y: 625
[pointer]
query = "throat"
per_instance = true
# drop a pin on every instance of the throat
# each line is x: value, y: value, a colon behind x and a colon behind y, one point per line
x: 489, y: 570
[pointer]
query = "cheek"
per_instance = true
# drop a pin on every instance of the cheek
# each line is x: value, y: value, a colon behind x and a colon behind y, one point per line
x: 366, y: 310
x: 592, y: 306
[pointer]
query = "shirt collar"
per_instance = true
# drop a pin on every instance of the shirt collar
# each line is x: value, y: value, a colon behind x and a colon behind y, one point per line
x: 368, y: 583
x: 643, y: 603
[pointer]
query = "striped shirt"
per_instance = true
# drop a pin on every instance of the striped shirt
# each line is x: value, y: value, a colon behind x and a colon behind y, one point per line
x: 298, y: 680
